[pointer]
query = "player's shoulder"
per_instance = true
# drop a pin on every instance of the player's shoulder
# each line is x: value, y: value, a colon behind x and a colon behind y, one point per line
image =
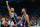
x: 15, y: 13
x: 26, y: 15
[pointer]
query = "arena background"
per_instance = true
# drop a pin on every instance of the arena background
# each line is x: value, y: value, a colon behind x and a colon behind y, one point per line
x: 32, y: 7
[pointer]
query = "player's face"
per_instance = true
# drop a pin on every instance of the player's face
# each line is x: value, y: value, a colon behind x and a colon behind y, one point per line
x: 12, y: 9
x: 23, y: 10
x: 6, y: 18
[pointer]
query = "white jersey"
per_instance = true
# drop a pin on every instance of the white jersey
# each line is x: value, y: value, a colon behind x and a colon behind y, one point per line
x: 12, y: 23
x: 9, y: 22
x: 3, y: 22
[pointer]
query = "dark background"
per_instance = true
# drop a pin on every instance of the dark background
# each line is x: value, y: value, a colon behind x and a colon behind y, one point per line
x: 15, y: 0
x: 32, y: 7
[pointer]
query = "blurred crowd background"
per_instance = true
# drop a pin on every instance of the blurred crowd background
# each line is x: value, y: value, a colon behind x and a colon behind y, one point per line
x: 32, y: 8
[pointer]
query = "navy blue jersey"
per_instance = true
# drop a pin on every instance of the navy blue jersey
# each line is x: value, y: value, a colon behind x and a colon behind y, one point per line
x: 15, y: 17
x: 24, y: 20
x: 17, y: 20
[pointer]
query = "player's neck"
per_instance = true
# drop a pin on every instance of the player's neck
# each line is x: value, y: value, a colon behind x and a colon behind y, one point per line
x: 24, y: 13
x: 12, y: 12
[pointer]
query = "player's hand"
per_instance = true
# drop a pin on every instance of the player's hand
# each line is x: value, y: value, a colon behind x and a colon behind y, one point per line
x: 6, y: 2
x: 15, y: 24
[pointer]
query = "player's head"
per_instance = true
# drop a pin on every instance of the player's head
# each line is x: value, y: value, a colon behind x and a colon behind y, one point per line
x: 3, y: 18
x: 12, y: 9
x: 9, y: 18
x: 6, y: 18
x: 23, y: 10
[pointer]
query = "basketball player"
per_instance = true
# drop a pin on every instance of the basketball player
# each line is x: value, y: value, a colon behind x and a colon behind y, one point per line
x: 13, y: 15
x: 25, y: 18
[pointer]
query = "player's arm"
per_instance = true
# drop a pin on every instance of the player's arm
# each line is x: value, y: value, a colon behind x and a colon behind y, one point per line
x: 18, y: 17
x: 8, y: 7
x: 27, y: 19
x: 19, y: 22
